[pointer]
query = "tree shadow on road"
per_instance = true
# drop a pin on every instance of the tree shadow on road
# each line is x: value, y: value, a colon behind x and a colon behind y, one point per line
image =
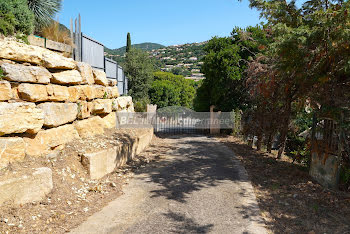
x: 197, y: 165
x: 186, y: 225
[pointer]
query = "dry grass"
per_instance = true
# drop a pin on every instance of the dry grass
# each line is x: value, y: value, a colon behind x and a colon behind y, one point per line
x: 56, y: 33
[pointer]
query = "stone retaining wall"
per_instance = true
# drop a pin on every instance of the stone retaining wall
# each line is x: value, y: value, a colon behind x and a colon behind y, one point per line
x: 48, y: 100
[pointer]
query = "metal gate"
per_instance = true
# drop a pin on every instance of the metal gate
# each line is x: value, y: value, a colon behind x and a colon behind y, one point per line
x: 179, y: 120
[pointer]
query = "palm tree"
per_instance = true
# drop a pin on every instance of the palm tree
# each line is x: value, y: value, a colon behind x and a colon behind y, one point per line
x: 44, y: 10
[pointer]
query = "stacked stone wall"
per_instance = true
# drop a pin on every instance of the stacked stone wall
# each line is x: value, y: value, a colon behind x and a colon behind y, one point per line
x: 48, y: 100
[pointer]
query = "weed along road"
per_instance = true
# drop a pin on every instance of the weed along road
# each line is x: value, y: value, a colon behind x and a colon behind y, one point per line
x: 198, y: 186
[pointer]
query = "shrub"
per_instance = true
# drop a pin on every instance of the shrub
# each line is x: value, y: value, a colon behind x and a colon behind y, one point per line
x: 55, y: 32
x: 141, y: 104
x: 7, y: 23
x: 43, y: 11
x: 17, y: 17
x: 1, y: 73
x: 172, y: 90
x: 23, y: 38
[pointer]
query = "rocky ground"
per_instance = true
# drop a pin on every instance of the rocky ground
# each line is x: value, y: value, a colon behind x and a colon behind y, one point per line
x: 290, y: 201
x: 74, y: 196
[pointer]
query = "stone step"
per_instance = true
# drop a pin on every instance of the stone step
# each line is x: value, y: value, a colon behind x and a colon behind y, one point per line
x: 23, y: 189
x: 103, y: 162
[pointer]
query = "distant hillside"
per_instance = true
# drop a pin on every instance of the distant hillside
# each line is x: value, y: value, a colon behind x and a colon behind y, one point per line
x: 185, y: 60
x: 143, y: 46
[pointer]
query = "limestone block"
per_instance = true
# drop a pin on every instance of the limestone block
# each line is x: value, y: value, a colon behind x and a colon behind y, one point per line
x: 44, y: 141
x: 56, y: 114
x: 86, y: 73
x: 37, y: 41
x: 90, y: 106
x: 124, y: 102
x: 87, y: 92
x: 32, y: 92
x: 12, y: 150
x: 100, y: 77
x: 115, y: 105
x: 5, y: 91
x: 102, y: 106
x: 55, y: 60
x: 100, y: 163
x: 325, y: 169
x: 74, y: 93
x: 26, y: 188
x: 20, y: 117
x: 84, y: 109
x: 21, y: 73
x: 110, y: 120
x: 101, y: 91
x: 14, y: 91
x: 67, y: 77
x: 16, y: 51
x: 130, y: 108
x: 112, y: 82
x: 58, y: 46
x: 113, y: 92
x: 90, y: 127
x: 57, y: 93
x: 21, y: 52
x: 144, y: 139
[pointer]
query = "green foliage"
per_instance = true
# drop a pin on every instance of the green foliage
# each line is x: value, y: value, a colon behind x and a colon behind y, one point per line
x: 7, y: 23
x: 79, y: 108
x: 180, y: 71
x: 164, y: 93
x: 307, y: 61
x: 15, y: 16
x: 138, y: 67
x: 22, y: 38
x: 44, y: 11
x: 237, y: 122
x: 141, y: 104
x: 128, y: 43
x: 171, y: 90
x: 224, y: 65
x: 1, y: 73
x: 344, y: 176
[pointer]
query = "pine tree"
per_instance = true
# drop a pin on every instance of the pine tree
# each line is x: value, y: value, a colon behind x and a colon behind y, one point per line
x: 128, y: 43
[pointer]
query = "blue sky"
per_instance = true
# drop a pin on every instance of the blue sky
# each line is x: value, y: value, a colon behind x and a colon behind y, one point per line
x: 160, y: 21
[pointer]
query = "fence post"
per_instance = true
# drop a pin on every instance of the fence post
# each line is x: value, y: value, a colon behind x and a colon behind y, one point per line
x: 71, y: 36
x: 80, y: 39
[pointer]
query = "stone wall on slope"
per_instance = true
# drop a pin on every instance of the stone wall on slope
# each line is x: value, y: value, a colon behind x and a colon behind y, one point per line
x: 48, y: 100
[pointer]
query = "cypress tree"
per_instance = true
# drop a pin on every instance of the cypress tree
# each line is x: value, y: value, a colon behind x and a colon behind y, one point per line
x: 128, y: 43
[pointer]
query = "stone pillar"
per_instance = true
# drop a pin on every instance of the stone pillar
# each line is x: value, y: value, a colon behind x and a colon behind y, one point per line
x: 151, y: 112
x: 214, y: 121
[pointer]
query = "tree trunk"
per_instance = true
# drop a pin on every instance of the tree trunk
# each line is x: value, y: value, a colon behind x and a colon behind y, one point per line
x: 259, y: 142
x: 269, y: 143
x: 282, y: 145
x: 250, y: 142
x: 285, y: 128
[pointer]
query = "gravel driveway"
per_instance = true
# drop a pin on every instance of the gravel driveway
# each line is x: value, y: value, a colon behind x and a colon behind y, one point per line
x: 198, y: 187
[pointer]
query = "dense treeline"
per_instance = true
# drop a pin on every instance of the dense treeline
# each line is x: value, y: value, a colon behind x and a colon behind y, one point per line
x: 305, y: 66
x: 283, y: 74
